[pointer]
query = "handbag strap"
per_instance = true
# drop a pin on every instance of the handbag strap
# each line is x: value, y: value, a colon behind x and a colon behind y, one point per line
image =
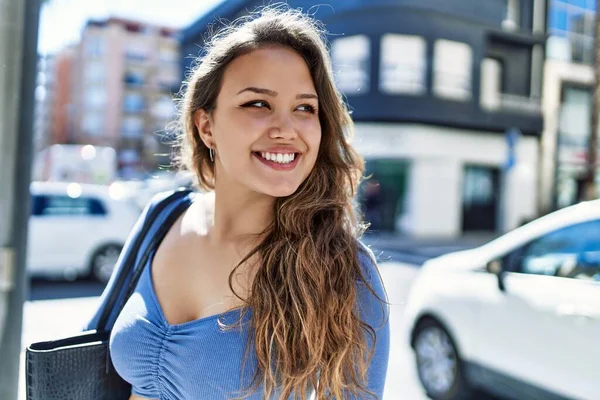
x: 131, y: 270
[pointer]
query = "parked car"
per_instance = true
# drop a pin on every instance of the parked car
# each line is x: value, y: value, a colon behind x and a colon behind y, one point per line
x: 518, y: 317
x: 77, y: 229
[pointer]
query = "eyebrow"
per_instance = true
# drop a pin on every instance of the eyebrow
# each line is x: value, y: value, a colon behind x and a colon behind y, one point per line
x: 273, y: 93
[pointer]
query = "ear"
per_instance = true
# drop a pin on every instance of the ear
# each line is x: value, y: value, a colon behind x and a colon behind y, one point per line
x: 203, y: 122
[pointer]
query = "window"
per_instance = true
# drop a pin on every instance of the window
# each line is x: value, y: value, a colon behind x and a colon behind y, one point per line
x: 351, y: 58
x: 452, y: 70
x: 133, y: 102
x: 93, y: 124
x: 95, y: 71
x: 134, y: 77
x: 571, y: 28
x: 96, y: 97
x: 94, y: 46
x: 132, y: 127
x: 403, y: 64
x: 137, y: 48
x: 47, y: 205
x: 571, y: 252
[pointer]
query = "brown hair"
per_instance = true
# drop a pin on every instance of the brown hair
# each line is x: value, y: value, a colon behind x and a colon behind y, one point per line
x: 306, y: 329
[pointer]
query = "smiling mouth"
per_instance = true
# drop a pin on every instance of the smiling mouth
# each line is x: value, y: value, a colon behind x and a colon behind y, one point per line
x: 278, y: 161
x: 279, y: 158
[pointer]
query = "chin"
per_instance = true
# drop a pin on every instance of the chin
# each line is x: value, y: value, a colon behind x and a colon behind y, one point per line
x: 277, y: 190
x: 281, y: 192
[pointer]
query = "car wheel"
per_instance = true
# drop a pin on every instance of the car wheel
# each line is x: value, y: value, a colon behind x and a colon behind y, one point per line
x: 103, y: 262
x: 438, y: 364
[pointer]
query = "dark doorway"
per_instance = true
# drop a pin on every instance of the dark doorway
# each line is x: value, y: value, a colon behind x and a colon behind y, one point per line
x: 383, y: 195
x: 481, y: 194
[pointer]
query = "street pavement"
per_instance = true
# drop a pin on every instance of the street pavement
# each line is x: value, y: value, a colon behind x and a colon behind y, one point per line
x: 415, y: 251
x: 55, y: 318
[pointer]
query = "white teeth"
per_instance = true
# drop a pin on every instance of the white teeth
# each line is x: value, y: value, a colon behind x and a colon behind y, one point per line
x: 278, y: 157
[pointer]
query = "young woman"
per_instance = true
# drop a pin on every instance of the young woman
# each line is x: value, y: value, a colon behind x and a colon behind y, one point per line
x: 261, y: 288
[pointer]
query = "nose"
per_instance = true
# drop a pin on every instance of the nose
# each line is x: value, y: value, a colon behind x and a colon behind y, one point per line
x: 283, y: 127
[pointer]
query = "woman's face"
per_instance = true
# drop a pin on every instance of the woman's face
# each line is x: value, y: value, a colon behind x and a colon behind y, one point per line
x: 265, y: 127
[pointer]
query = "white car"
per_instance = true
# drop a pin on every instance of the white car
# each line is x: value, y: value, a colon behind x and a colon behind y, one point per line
x: 77, y: 229
x: 518, y: 317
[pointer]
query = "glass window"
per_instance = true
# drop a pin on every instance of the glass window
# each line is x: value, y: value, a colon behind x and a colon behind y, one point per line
x: 351, y: 57
x: 94, y: 46
x: 578, y: 3
x: 95, y: 71
x: 132, y: 127
x: 65, y: 205
x: 403, y: 64
x: 96, y: 97
x: 571, y: 252
x: 452, y: 68
x: 134, y: 102
x: 164, y: 108
x: 558, y: 17
x: 93, y: 124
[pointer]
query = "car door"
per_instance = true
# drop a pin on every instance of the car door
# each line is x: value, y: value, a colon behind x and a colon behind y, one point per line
x: 40, y: 254
x: 63, y: 231
x: 539, y: 334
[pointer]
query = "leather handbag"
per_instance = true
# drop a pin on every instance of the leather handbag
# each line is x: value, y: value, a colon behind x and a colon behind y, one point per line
x: 80, y: 367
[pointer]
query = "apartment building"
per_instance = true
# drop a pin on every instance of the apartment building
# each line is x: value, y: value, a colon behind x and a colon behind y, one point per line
x: 125, y: 78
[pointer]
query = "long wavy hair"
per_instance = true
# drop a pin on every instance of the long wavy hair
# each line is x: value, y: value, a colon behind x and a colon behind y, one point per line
x: 305, y: 326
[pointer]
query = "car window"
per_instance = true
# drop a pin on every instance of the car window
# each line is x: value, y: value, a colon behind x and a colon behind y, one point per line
x: 571, y: 252
x: 65, y: 205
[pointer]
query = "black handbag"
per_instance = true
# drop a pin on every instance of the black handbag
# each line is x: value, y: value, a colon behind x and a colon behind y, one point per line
x: 79, y: 367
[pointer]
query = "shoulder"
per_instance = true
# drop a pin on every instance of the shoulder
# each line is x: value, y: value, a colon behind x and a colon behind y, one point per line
x: 367, y: 261
x: 372, y: 296
x: 168, y: 197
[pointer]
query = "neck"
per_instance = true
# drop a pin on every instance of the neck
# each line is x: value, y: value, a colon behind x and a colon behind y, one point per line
x: 239, y: 214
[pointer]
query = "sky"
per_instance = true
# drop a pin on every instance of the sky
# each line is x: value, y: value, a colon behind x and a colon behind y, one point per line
x: 61, y: 21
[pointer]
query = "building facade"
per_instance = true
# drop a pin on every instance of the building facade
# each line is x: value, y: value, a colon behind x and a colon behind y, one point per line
x: 62, y: 129
x: 568, y: 87
x: 127, y: 74
x: 434, y: 87
x: 45, y: 92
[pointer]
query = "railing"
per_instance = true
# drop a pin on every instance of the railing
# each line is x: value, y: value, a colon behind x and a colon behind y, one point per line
x: 521, y: 104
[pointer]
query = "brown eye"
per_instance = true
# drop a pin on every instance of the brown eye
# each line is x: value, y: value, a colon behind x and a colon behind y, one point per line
x: 307, y: 108
x: 256, y: 104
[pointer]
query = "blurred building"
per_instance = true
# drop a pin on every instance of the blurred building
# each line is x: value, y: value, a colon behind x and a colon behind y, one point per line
x: 126, y: 75
x: 568, y: 87
x: 44, y: 100
x: 62, y: 129
x: 435, y: 85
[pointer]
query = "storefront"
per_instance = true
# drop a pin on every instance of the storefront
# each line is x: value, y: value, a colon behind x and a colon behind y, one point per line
x: 443, y: 182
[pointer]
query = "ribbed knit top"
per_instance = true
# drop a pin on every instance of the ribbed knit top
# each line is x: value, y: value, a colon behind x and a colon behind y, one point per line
x: 199, y: 360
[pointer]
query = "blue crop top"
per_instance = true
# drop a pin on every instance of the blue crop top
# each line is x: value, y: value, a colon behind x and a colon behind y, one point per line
x: 198, y: 360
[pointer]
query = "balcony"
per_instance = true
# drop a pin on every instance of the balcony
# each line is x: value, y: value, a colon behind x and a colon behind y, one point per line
x: 493, y: 99
x: 520, y: 104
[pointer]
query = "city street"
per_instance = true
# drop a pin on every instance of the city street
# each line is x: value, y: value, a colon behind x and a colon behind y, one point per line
x: 49, y: 316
